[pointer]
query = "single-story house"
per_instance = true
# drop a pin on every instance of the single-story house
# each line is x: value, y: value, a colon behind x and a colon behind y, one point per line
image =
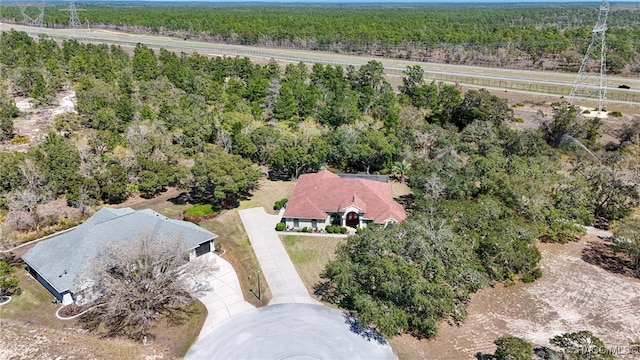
x: 325, y: 198
x: 58, y: 262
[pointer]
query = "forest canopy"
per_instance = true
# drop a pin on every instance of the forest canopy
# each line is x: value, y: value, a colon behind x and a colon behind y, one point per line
x: 479, y: 34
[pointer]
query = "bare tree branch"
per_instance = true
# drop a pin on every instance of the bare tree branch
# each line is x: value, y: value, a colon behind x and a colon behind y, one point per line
x: 133, y: 284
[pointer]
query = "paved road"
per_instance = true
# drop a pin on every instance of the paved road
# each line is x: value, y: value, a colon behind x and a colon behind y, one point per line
x: 458, y: 73
x: 283, y: 279
x: 291, y: 331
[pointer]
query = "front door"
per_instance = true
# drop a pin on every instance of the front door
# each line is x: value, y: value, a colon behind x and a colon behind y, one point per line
x: 352, y: 220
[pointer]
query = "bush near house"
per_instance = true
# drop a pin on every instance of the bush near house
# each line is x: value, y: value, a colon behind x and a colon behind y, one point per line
x: 200, y: 212
x: 280, y: 204
x: 280, y: 226
x: 336, y: 229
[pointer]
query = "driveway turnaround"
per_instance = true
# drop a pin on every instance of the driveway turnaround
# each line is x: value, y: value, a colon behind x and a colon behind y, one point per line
x: 283, y: 279
x: 290, y: 331
x: 225, y: 299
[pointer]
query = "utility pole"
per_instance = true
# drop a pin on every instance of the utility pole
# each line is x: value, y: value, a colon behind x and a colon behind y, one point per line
x: 590, y: 83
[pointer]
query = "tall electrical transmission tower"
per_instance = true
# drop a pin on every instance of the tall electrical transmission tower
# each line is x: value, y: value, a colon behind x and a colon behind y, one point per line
x: 28, y: 19
x: 74, y: 21
x: 590, y: 82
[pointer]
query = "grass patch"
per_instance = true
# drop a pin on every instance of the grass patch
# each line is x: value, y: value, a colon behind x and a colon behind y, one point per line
x: 199, y: 210
x: 179, y: 338
x: 268, y: 193
x: 399, y: 189
x: 309, y: 255
x: 298, y: 255
x: 33, y: 305
x: 238, y: 251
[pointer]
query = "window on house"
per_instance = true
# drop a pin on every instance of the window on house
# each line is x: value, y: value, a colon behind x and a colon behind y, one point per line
x: 296, y: 223
x: 314, y: 223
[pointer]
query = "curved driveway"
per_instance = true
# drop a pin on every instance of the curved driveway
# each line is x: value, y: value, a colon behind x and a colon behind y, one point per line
x: 291, y: 331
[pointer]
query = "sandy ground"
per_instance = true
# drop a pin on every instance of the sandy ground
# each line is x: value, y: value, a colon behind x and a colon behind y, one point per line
x: 38, y: 121
x: 34, y: 342
x: 572, y: 295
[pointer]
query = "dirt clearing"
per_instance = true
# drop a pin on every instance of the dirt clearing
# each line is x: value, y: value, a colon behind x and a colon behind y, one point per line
x: 36, y: 122
x: 572, y: 295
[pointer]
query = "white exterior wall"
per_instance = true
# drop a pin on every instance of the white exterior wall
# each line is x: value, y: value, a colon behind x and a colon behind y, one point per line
x: 67, y: 298
x: 321, y: 224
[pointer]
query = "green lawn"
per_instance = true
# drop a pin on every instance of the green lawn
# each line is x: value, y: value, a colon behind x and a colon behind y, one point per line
x: 33, y: 304
x: 309, y: 255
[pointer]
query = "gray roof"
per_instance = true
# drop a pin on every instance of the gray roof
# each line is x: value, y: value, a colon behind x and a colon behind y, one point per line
x: 380, y: 178
x: 60, y: 259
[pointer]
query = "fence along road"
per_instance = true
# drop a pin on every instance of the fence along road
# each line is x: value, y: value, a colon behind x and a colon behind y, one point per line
x: 521, y: 80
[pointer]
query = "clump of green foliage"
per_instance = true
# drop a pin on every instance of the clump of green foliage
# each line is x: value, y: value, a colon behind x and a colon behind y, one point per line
x: 331, y: 229
x: 513, y: 348
x: 8, y: 282
x: 582, y: 345
x: 280, y: 226
x: 280, y: 204
x: 200, y: 212
x: 19, y: 140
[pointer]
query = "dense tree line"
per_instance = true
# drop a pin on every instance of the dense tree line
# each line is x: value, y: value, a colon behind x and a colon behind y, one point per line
x: 470, y: 34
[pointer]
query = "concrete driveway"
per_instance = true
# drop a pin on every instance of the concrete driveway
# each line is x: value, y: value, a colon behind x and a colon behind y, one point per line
x: 291, y: 331
x: 225, y: 299
x: 283, y: 279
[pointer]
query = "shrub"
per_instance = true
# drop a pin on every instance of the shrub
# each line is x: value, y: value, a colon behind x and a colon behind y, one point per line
x: 8, y: 282
x: 518, y: 119
x: 280, y: 226
x: 17, y: 140
x: 616, y: 114
x: 586, y: 111
x: 199, y: 212
x: 518, y: 104
x: 343, y: 230
x: 534, y: 275
x: 510, y: 347
x: 329, y: 229
x: 280, y: 204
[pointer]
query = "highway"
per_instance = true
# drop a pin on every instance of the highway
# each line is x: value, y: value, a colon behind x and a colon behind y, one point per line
x: 534, y: 81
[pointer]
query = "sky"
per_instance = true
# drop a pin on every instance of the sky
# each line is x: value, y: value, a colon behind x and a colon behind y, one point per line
x: 367, y: 1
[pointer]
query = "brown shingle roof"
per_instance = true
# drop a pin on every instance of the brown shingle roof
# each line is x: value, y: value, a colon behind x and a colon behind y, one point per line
x: 315, y: 195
